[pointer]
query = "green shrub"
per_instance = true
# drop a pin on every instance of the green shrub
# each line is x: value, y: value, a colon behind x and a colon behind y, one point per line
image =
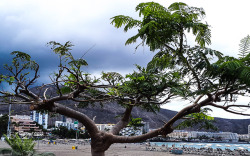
x: 19, y: 146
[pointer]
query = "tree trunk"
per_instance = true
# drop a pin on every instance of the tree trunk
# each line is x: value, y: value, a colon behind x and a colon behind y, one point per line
x: 97, y: 153
x: 100, y: 143
x: 99, y: 150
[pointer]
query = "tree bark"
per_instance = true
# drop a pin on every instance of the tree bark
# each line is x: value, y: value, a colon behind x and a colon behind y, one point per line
x: 123, y: 122
x: 61, y: 109
x: 95, y: 153
x: 100, y: 143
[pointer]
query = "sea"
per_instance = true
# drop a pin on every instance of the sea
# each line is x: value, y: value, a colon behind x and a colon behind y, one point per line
x: 222, y: 146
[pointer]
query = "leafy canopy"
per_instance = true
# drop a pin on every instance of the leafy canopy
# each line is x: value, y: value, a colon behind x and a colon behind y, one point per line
x: 162, y: 27
x: 201, y: 71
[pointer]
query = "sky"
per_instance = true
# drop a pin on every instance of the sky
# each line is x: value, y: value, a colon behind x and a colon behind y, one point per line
x: 27, y: 25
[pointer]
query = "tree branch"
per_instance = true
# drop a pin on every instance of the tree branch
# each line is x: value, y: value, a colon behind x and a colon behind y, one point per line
x: 185, y: 111
x: 35, y: 76
x: 133, y: 139
x: 123, y: 122
x: 61, y: 109
x: 226, y: 108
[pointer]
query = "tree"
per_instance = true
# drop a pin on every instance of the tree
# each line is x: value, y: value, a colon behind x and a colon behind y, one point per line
x: 206, y: 74
x: 136, y: 123
x: 199, y: 74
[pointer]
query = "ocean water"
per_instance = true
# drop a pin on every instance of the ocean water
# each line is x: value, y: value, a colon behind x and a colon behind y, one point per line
x: 223, y: 146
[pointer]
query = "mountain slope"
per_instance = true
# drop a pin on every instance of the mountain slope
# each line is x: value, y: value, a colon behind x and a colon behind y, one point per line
x: 111, y: 111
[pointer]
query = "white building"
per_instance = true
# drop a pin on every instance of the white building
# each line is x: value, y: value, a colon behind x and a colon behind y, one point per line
x: 135, y: 131
x: 69, y: 125
x: 40, y: 118
x: 176, y: 134
x: 104, y: 127
x: 127, y: 131
x: 244, y: 137
x: 224, y: 136
x: 23, y: 117
x: 131, y: 131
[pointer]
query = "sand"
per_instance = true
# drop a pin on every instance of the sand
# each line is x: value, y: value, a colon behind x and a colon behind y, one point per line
x: 84, y: 150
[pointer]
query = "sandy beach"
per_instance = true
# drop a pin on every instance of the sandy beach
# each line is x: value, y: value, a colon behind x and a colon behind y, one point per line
x: 114, y: 150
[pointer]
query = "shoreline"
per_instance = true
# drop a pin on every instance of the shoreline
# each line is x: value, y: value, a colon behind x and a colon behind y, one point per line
x: 114, y: 150
x: 128, y: 149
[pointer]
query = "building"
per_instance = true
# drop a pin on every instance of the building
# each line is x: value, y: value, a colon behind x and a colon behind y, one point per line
x: 64, y: 124
x: 135, y: 131
x: 219, y: 136
x: 40, y: 118
x: 24, y: 126
x: 127, y: 131
x: 131, y: 131
x: 180, y: 134
x: 101, y: 127
x: 68, y: 123
x: 244, y: 137
x: 104, y: 127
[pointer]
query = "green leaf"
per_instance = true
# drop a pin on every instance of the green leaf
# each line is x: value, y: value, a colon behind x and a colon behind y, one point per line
x: 135, y: 122
x: 78, y: 63
x: 244, y: 46
x: 20, y: 55
x: 201, y: 119
x: 65, y: 90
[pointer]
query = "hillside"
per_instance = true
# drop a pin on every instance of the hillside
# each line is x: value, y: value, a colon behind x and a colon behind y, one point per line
x: 110, y: 112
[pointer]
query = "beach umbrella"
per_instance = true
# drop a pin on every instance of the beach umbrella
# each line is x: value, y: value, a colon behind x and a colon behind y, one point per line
x: 241, y: 148
x: 183, y: 144
x: 208, y: 145
x: 200, y: 144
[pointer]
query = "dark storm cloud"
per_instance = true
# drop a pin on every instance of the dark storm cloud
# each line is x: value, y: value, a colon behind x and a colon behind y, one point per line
x: 100, y: 57
x: 28, y: 26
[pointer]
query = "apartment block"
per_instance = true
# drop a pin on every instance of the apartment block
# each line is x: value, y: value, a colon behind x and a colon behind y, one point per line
x: 24, y: 126
x: 40, y: 118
